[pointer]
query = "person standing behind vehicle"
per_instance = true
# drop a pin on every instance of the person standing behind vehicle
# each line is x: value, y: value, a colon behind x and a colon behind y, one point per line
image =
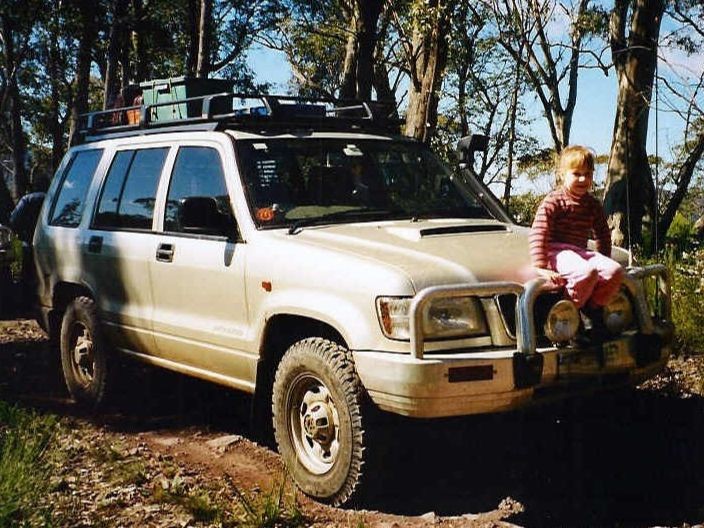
x: 23, y: 220
x: 566, y: 219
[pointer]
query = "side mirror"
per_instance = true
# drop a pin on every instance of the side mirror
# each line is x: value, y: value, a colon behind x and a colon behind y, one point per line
x: 469, y: 145
x: 200, y: 215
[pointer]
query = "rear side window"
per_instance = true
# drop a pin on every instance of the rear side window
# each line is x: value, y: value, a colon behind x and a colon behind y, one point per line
x: 70, y: 201
x: 197, y: 173
x: 129, y: 193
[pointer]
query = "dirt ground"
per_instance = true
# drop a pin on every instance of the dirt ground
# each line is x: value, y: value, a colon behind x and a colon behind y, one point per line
x: 634, y: 458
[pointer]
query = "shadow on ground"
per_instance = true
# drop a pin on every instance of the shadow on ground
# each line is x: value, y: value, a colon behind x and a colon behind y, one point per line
x: 633, y: 459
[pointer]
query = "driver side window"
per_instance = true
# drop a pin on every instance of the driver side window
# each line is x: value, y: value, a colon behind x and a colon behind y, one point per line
x: 197, y: 174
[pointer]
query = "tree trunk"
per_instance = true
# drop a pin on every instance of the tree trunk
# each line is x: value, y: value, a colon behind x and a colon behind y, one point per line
x: 381, y: 84
x: 193, y: 35
x: 630, y: 192
x: 348, y: 80
x: 142, y: 66
x: 683, y: 179
x: 358, y: 73
x: 85, y: 47
x: 111, y: 85
x: 203, y: 68
x: 429, y: 58
x: 367, y: 37
x: 512, y: 138
x: 55, y: 124
x: 14, y: 109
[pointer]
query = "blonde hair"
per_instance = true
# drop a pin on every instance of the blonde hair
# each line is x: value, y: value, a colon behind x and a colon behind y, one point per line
x: 574, y: 157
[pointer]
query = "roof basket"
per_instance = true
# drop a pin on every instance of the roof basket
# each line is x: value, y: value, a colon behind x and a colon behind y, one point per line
x: 167, y: 105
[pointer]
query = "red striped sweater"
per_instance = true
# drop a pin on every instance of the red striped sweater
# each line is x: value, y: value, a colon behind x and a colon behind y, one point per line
x: 561, y: 218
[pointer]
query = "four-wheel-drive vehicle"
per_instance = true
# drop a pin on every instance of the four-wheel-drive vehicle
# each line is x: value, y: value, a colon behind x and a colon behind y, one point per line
x: 300, y: 251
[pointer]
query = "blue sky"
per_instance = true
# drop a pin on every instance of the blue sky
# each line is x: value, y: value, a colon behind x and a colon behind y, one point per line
x: 593, y: 118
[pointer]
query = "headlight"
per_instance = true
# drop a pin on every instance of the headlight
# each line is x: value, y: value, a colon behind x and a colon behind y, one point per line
x: 562, y: 322
x: 443, y: 318
x: 618, y: 314
x: 453, y: 317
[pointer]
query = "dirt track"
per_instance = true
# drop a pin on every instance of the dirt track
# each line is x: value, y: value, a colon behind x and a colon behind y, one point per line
x: 635, y: 459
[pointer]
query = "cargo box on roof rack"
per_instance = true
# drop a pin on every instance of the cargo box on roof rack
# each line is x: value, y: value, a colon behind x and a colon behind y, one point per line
x: 176, y: 89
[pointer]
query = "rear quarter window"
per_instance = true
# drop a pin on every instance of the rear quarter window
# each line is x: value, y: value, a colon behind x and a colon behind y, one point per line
x: 70, y: 200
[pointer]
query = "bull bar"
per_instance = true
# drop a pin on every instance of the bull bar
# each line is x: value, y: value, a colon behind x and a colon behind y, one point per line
x: 528, y: 293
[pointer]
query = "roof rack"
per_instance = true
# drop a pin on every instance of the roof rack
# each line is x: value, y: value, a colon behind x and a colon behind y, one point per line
x: 269, y: 111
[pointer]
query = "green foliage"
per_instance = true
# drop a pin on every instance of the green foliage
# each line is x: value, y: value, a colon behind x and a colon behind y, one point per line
x: 538, y: 163
x: 197, y: 502
x: 593, y: 21
x: 275, y: 509
x: 25, y: 449
x: 687, y: 272
x: 524, y: 206
x: 313, y: 37
x: 681, y: 232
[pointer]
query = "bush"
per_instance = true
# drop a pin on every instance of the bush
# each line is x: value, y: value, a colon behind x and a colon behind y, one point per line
x: 524, y: 206
x: 681, y: 233
x: 688, y: 301
x: 25, y: 441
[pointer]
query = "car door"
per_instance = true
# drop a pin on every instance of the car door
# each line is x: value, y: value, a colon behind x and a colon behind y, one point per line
x: 197, y: 274
x: 118, y: 246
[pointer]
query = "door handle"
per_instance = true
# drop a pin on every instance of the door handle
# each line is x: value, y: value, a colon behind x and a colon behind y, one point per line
x: 165, y: 253
x: 95, y: 244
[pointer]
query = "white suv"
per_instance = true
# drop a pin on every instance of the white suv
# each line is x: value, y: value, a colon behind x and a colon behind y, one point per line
x: 304, y: 254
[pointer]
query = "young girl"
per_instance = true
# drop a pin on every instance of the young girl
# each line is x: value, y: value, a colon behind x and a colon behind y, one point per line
x: 566, y: 219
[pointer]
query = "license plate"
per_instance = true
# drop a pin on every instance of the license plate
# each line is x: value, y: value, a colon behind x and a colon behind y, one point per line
x: 617, y: 354
x: 578, y: 362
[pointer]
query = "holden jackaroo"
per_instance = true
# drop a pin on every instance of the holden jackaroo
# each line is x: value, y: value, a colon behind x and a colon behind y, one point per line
x: 301, y: 251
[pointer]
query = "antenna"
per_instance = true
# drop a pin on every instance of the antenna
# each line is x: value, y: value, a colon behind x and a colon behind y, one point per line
x: 656, y: 205
x: 628, y: 196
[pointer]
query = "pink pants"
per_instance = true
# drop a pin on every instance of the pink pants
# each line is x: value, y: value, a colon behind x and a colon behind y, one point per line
x: 591, y: 277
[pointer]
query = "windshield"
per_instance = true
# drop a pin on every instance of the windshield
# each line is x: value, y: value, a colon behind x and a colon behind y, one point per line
x: 293, y: 182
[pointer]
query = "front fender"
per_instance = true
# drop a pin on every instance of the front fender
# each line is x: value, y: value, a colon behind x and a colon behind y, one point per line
x: 356, y: 323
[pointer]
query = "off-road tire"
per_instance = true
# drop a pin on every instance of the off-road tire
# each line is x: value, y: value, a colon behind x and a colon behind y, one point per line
x: 317, y: 375
x: 84, y: 356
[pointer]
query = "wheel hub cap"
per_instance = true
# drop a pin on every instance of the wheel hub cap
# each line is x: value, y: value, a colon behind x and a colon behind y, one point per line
x: 318, y: 423
x: 83, y: 358
x: 314, y: 423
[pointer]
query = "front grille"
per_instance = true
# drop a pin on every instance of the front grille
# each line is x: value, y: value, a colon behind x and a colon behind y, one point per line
x: 507, y: 308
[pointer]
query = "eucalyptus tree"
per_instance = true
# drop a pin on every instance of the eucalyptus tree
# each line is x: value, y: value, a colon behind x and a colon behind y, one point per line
x: 330, y: 46
x: 17, y: 53
x: 634, y: 30
x: 425, y: 37
x: 551, y: 42
x: 681, y: 93
x: 487, y: 93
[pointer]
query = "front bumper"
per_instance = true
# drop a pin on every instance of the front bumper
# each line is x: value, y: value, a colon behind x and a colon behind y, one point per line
x: 450, y: 384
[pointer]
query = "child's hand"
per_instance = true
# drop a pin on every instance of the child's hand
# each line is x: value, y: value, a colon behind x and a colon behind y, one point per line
x: 553, y: 277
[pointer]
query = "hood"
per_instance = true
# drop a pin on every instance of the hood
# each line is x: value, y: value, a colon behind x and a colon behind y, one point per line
x: 434, y: 252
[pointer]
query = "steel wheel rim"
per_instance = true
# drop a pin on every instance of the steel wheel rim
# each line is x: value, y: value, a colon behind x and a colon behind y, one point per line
x: 81, y: 354
x: 314, y: 423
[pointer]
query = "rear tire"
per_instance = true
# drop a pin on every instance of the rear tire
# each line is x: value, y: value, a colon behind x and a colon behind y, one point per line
x: 84, y: 359
x: 318, y: 419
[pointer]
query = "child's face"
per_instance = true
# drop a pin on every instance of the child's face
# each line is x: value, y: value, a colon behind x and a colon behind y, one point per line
x: 578, y: 180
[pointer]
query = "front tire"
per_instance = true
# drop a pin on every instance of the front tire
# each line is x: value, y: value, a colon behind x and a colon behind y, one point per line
x: 83, y: 354
x: 318, y: 419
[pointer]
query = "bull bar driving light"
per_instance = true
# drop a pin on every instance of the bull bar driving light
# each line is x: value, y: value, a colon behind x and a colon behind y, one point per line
x: 618, y: 314
x: 562, y: 322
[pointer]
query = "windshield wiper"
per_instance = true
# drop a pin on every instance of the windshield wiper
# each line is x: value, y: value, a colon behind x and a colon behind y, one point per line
x: 298, y: 225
